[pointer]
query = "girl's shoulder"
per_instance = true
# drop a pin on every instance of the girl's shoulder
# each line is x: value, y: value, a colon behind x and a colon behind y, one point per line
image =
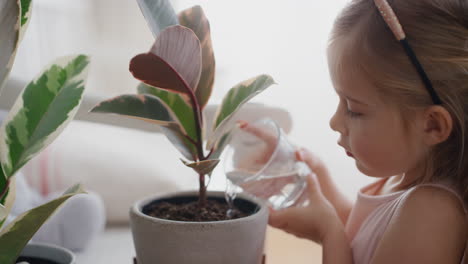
x: 433, y: 195
x: 435, y: 203
x: 430, y: 222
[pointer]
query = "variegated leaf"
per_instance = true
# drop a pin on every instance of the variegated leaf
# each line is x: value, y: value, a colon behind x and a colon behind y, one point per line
x: 220, y: 145
x: 159, y: 14
x: 144, y: 107
x: 155, y: 71
x: 15, y: 236
x: 26, y: 8
x: 10, y: 19
x: 42, y: 111
x: 3, y: 212
x: 151, y: 109
x: 234, y: 99
x: 177, y: 104
x: 203, y: 167
x: 195, y: 19
x: 180, y: 48
x: 9, y: 198
x: 180, y: 141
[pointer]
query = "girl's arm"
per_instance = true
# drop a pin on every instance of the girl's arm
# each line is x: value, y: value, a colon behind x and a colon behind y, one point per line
x: 327, y: 185
x: 429, y: 227
x: 335, y: 247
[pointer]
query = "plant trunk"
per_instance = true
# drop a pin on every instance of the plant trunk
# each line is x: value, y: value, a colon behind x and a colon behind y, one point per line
x: 202, y: 191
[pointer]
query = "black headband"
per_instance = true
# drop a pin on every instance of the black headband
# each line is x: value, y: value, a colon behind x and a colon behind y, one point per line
x: 392, y: 21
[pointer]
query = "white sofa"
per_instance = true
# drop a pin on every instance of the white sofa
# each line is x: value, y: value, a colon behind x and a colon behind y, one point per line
x: 121, y: 159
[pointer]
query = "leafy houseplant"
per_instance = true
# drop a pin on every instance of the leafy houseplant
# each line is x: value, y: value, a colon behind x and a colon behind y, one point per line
x: 42, y: 111
x: 177, y: 79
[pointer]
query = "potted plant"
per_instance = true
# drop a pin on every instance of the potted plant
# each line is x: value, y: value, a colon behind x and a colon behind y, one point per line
x: 44, y: 108
x: 177, y: 77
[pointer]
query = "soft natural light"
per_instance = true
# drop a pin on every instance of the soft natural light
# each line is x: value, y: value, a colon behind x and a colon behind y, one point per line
x: 286, y: 39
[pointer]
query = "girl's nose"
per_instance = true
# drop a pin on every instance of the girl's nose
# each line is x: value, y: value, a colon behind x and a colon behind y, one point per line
x: 337, y: 124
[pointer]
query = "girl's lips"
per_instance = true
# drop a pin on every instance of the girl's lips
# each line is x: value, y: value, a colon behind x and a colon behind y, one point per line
x: 349, y: 154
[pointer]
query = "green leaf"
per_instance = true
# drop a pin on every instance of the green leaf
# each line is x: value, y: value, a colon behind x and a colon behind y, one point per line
x: 10, y: 15
x: 3, y: 185
x: 234, y: 99
x: 25, y: 11
x: 9, y: 198
x: 180, y: 48
x: 42, y: 111
x: 177, y: 104
x: 151, y: 109
x: 15, y: 236
x: 159, y: 14
x: 195, y: 19
x: 202, y: 167
x: 25, y: 16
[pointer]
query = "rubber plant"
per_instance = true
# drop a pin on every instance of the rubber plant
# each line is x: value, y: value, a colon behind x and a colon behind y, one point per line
x: 177, y: 77
x: 41, y: 112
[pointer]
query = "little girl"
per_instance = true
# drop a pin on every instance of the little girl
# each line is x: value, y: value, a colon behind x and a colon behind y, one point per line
x: 402, y: 82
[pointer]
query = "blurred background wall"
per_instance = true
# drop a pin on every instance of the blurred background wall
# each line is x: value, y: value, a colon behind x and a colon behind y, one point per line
x: 286, y: 39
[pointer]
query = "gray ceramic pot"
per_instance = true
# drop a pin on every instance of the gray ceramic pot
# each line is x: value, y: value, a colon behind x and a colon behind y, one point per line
x: 238, y: 241
x: 48, y: 252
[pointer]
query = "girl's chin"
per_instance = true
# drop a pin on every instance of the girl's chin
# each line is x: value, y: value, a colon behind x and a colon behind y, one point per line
x: 372, y: 173
x: 364, y: 170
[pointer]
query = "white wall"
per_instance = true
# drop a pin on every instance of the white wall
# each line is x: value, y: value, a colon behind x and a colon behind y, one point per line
x: 286, y: 39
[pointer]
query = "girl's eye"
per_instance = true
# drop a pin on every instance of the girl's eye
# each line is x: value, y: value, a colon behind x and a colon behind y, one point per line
x: 353, y: 114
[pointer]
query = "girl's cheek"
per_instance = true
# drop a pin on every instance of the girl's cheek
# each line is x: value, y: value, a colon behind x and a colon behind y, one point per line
x: 362, y: 146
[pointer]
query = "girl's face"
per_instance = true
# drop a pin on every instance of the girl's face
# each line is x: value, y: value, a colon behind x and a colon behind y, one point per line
x: 371, y: 130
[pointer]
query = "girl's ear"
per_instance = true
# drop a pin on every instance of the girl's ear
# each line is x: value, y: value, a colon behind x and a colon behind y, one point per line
x: 438, y: 125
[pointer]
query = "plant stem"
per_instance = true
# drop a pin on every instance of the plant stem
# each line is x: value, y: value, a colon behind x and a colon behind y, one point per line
x: 201, y: 155
x: 198, y: 124
x: 202, y: 196
x: 190, y: 139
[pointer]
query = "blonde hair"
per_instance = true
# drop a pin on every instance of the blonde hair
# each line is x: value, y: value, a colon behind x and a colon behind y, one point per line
x: 437, y: 30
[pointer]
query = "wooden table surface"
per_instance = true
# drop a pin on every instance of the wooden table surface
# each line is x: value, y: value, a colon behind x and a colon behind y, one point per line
x: 283, y: 248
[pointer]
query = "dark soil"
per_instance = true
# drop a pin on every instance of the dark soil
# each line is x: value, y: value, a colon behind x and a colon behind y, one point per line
x: 31, y: 260
x: 187, y: 209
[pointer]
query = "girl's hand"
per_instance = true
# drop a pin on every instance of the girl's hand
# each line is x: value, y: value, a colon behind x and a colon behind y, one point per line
x: 261, y: 157
x: 328, y: 187
x: 315, y: 164
x: 314, y: 222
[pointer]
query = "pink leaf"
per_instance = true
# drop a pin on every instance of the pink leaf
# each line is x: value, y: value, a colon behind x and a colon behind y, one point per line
x: 180, y: 48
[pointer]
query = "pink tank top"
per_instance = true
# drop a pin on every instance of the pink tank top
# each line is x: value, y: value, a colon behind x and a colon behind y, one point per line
x: 370, y: 216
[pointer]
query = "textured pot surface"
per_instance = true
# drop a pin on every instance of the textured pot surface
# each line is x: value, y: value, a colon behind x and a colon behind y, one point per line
x: 50, y: 252
x: 174, y: 242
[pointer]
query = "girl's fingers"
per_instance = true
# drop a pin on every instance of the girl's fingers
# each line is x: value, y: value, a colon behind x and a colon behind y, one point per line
x: 266, y: 187
x: 302, y: 199
x: 265, y: 135
x: 306, y: 156
x: 313, y: 187
x: 292, y: 220
x: 280, y: 218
